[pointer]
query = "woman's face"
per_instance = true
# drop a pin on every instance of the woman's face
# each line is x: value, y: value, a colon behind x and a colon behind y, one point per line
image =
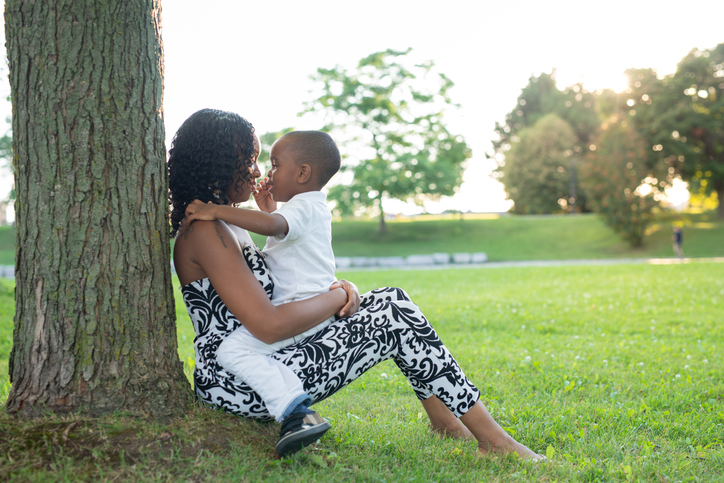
x: 239, y: 193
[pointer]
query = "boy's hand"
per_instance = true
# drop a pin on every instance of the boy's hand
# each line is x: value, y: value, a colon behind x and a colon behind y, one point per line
x: 198, y: 210
x: 353, y: 300
x: 263, y: 198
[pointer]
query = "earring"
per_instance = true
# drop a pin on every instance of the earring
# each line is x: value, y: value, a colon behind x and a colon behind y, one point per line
x: 216, y: 193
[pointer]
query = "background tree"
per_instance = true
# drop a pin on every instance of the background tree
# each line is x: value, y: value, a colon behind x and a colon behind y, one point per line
x: 266, y: 140
x: 536, y: 170
x: 539, y: 98
x: 615, y: 176
x: 6, y: 147
x: 396, y: 111
x: 6, y: 157
x: 682, y: 119
x: 94, y: 317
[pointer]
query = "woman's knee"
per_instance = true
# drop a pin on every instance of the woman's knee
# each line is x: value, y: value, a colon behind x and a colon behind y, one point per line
x: 401, y: 294
x: 403, y: 313
x: 388, y: 294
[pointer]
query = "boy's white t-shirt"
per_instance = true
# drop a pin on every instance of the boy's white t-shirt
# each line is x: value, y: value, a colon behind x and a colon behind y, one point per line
x: 302, y: 261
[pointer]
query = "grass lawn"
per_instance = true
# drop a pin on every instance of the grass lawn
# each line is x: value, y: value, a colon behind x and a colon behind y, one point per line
x: 615, y: 372
x: 503, y: 238
x: 525, y: 237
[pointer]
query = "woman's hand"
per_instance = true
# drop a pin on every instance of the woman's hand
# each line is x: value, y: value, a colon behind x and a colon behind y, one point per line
x: 353, y: 300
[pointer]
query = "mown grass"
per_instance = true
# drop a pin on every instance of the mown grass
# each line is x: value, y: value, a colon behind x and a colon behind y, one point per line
x: 616, y: 372
x: 504, y: 238
x: 526, y: 237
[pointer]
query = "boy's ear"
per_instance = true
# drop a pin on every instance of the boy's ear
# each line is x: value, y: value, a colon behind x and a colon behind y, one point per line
x: 304, y: 173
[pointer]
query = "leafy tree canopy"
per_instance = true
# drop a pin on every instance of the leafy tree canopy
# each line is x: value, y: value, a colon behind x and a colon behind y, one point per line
x: 266, y: 140
x: 394, y: 109
x: 612, y: 175
x: 541, y: 97
x: 536, y: 173
x: 681, y: 117
x: 576, y: 108
x: 6, y: 158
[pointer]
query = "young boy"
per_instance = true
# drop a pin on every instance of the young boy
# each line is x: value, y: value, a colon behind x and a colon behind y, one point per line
x: 301, y: 261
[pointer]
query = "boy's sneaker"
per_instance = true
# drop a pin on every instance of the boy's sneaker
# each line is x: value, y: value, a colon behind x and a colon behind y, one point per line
x: 299, y: 430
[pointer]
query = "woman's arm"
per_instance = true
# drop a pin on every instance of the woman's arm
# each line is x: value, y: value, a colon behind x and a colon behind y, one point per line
x: 216, y: 250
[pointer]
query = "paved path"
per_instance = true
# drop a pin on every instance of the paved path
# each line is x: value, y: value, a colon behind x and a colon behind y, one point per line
x: 544, y: 263
x: 8, y: 271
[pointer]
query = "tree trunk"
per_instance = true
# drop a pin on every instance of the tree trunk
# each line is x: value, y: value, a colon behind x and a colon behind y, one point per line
x: 383, y: 223
x: 94, y: 312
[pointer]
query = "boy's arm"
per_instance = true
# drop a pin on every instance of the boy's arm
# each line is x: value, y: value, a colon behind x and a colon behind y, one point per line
x: 266, y: 224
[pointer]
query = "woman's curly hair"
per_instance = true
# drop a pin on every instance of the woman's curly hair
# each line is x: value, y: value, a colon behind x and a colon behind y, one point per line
x: 211, y: 151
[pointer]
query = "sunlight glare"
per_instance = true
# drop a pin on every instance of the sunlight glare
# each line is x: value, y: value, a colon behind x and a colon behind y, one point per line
x: 594, y: 80
x: 677, y: 196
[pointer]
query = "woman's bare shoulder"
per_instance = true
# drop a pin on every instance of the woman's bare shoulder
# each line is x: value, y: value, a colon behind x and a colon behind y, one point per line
x: 201, y: 231
x: 203, y: 246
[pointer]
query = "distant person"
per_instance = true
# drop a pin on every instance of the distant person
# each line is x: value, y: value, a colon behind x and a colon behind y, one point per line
x: 678, y: 238
x: 299, y: 254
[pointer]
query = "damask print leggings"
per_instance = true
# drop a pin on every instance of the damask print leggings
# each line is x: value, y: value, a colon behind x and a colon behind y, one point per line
x: 388, y: 325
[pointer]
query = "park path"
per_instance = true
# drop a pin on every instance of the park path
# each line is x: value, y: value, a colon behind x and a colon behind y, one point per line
x: 545, y: 263
x: 8, y: 271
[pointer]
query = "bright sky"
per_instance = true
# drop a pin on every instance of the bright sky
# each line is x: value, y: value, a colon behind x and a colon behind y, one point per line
x: 255, y: 58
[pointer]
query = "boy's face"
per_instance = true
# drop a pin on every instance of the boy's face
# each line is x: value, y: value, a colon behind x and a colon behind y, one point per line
x: 283, y: 173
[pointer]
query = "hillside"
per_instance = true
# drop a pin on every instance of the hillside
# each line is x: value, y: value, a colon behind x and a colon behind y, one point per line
x: 523, y: 237
x: 502, y: 237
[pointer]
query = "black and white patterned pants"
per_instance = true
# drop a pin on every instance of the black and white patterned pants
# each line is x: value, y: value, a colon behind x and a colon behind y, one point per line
x: 387, y: 326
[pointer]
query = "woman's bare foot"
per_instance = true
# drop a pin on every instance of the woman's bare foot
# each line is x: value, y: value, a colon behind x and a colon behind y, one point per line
x: 492, y: 439
x: 476, y: 424
x: 510, y: 446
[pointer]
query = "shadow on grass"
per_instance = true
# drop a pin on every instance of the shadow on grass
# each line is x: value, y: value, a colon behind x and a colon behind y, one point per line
x: 120, y: 447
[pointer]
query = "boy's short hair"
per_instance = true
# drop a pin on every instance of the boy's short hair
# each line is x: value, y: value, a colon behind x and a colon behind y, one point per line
x: 317, y: 149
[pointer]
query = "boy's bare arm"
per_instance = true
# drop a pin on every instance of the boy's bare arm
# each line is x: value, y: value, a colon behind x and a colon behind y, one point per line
x: 266, y: 224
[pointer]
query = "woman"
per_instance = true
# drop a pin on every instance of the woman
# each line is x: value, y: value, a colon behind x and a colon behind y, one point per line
x: 225, y: 283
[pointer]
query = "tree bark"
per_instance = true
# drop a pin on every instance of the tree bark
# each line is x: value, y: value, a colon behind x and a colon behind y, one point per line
x: 94, y: 312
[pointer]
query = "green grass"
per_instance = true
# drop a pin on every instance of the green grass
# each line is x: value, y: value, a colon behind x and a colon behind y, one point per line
x: 503, y: 238
x: 7, y: 312
x: 523, y: 237
x: 616, y: 372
